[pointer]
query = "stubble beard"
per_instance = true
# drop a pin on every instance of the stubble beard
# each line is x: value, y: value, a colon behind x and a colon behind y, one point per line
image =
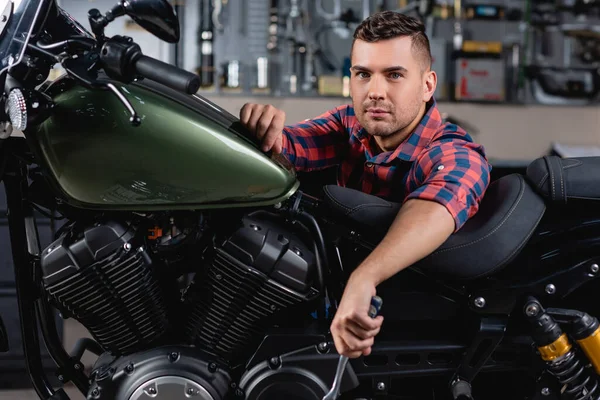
x: 381, y: 127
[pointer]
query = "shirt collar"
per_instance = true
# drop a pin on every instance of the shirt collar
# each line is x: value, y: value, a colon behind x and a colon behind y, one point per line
x: 412, y: 146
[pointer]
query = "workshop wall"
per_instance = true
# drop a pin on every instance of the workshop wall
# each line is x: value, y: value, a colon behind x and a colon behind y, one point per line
x: 511, y: 134
x: 238, y: 64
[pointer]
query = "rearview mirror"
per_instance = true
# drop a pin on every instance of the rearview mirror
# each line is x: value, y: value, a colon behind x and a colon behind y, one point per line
x: 156, y: 16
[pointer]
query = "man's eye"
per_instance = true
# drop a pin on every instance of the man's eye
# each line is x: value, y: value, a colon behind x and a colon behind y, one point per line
x: 363, y: 75
x: 395, y: 75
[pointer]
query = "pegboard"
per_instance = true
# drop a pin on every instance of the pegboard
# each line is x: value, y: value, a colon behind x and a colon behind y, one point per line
x: 244, y: 36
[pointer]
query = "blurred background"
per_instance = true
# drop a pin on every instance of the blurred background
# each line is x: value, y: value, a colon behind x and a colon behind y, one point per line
x: 522, y: 77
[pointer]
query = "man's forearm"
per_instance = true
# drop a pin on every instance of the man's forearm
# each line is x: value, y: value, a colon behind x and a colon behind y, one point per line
x: 420, y: 227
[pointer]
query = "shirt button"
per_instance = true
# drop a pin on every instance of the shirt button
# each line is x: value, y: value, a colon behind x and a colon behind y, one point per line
x: 369, y: 165
x: 441, y: 167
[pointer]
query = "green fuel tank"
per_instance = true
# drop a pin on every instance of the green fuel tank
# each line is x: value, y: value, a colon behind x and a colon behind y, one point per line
x: 188, y: 153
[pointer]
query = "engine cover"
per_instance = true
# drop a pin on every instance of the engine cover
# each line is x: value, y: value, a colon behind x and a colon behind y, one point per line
x: 304, y: 374
x: 105, y: 280
x: 262, y: 269
x: 164, y: 373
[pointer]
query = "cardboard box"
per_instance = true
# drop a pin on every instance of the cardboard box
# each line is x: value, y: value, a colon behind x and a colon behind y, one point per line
x: 480, y: 79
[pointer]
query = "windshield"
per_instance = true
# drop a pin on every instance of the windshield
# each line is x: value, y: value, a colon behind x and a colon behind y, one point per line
x: 17, y: 20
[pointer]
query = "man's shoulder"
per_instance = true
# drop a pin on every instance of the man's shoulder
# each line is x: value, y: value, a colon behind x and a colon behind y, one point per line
x: 452, y: 138
x: 438, y: 130
x: 449, y: 131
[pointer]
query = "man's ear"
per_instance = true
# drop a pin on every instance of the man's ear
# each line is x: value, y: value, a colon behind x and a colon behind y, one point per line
x: 429, y: 84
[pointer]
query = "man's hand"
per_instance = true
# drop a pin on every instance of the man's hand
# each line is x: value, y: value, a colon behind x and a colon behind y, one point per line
x: 352, y: 329
x: 266, y: 122
x: 420, y: 227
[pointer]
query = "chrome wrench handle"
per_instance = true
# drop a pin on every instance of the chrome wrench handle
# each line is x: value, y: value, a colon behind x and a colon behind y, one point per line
x: 374, y: 308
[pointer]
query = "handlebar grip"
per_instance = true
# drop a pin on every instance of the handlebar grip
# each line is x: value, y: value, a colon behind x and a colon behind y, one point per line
x: 167, y: 74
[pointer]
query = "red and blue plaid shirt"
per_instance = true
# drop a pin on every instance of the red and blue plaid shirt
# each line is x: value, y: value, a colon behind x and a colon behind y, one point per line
x: 437, y: 162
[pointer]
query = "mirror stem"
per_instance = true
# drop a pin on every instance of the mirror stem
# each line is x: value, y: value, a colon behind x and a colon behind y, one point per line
x: 98, y: 21
x: 116, y: 12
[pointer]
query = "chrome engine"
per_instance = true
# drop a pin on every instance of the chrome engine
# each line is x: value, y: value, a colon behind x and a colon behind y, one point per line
x: 168, y: 341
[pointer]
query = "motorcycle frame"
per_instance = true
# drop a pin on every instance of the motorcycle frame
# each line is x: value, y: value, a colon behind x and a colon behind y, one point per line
x: 34, y: 309
x: 501, y: 300
x: 494, y: 305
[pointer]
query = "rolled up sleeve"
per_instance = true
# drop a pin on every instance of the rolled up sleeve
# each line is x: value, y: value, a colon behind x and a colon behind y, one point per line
x: 454, y: 174
x: 317, y: 143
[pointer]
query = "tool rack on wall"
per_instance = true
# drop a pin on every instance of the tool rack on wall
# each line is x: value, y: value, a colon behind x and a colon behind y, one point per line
x: 492, y: 51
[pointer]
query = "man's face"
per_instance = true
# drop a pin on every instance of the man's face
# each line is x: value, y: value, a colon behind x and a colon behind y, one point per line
x: 388, y: 85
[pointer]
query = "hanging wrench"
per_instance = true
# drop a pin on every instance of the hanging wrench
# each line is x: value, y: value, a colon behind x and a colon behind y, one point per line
x: 216, y: 14
x: 333, y: 394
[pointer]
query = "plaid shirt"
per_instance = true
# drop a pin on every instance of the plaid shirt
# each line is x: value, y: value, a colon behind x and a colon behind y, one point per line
x: 437, y: 162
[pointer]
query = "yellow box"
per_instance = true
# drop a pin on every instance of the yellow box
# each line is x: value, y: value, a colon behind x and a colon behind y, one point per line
x: 473, y: 46
x: 330, y: 85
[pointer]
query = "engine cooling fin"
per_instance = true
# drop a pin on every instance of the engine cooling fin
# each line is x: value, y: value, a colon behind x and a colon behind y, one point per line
x: 261, y: 271
x: 106, y: 282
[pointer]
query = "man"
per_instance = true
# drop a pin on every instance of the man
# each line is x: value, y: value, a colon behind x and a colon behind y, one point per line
x: 391, y: 143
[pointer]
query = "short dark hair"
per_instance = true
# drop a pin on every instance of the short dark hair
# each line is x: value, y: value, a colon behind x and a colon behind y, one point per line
x: 390, y: 24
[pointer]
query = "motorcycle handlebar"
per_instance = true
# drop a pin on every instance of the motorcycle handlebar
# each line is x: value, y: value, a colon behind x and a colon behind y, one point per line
x: 167, y: 74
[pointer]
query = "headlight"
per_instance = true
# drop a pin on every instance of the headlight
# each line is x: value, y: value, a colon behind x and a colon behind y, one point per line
x: 16, y: 108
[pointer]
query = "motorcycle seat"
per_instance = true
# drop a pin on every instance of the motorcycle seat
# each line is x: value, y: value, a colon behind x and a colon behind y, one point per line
x: 559, y: 179
x: 508, y: 215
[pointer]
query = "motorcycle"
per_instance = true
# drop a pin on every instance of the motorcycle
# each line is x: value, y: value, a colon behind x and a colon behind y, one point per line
x: 202, y: 269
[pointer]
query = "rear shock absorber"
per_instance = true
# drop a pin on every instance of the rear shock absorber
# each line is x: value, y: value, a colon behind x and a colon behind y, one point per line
x: 577, y: 380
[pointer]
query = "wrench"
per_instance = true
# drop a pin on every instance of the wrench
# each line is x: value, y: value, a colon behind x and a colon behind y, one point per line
x: 333, y: 394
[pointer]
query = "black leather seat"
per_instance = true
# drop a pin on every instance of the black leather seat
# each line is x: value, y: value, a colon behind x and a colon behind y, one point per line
x: 560, y: 179
x: 508, y: 215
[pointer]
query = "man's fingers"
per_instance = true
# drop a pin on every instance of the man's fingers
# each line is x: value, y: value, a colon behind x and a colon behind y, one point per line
x: 245, y: 113
x: 356, y: 344
x: 361, y: 333
x: 266, y: 123
x: 274, y: 132
x: 365, y: 322
x: 253, y: 120
x: 263, y: 125
x: 347, y: 342
x: 343, y: 348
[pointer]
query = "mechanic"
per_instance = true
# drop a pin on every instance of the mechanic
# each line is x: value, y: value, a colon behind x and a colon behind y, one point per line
x: 391, y: 142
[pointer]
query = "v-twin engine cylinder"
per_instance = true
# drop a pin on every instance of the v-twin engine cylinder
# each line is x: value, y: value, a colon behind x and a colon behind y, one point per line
x: 123, y: 293
x: 165, y: 344
x: 261, y: 270
x: 105, y: 279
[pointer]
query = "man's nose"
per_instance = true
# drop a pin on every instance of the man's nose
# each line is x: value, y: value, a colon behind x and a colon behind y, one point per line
x: 376, y: 88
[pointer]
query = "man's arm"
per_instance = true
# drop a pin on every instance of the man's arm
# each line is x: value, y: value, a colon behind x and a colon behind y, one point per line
x: 420, y: 227
x: 448, y: 182
x: 310, y: 145
x: 316, y: 143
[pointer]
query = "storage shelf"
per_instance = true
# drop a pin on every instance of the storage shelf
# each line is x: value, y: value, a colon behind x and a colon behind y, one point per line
x: 224, y: 94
